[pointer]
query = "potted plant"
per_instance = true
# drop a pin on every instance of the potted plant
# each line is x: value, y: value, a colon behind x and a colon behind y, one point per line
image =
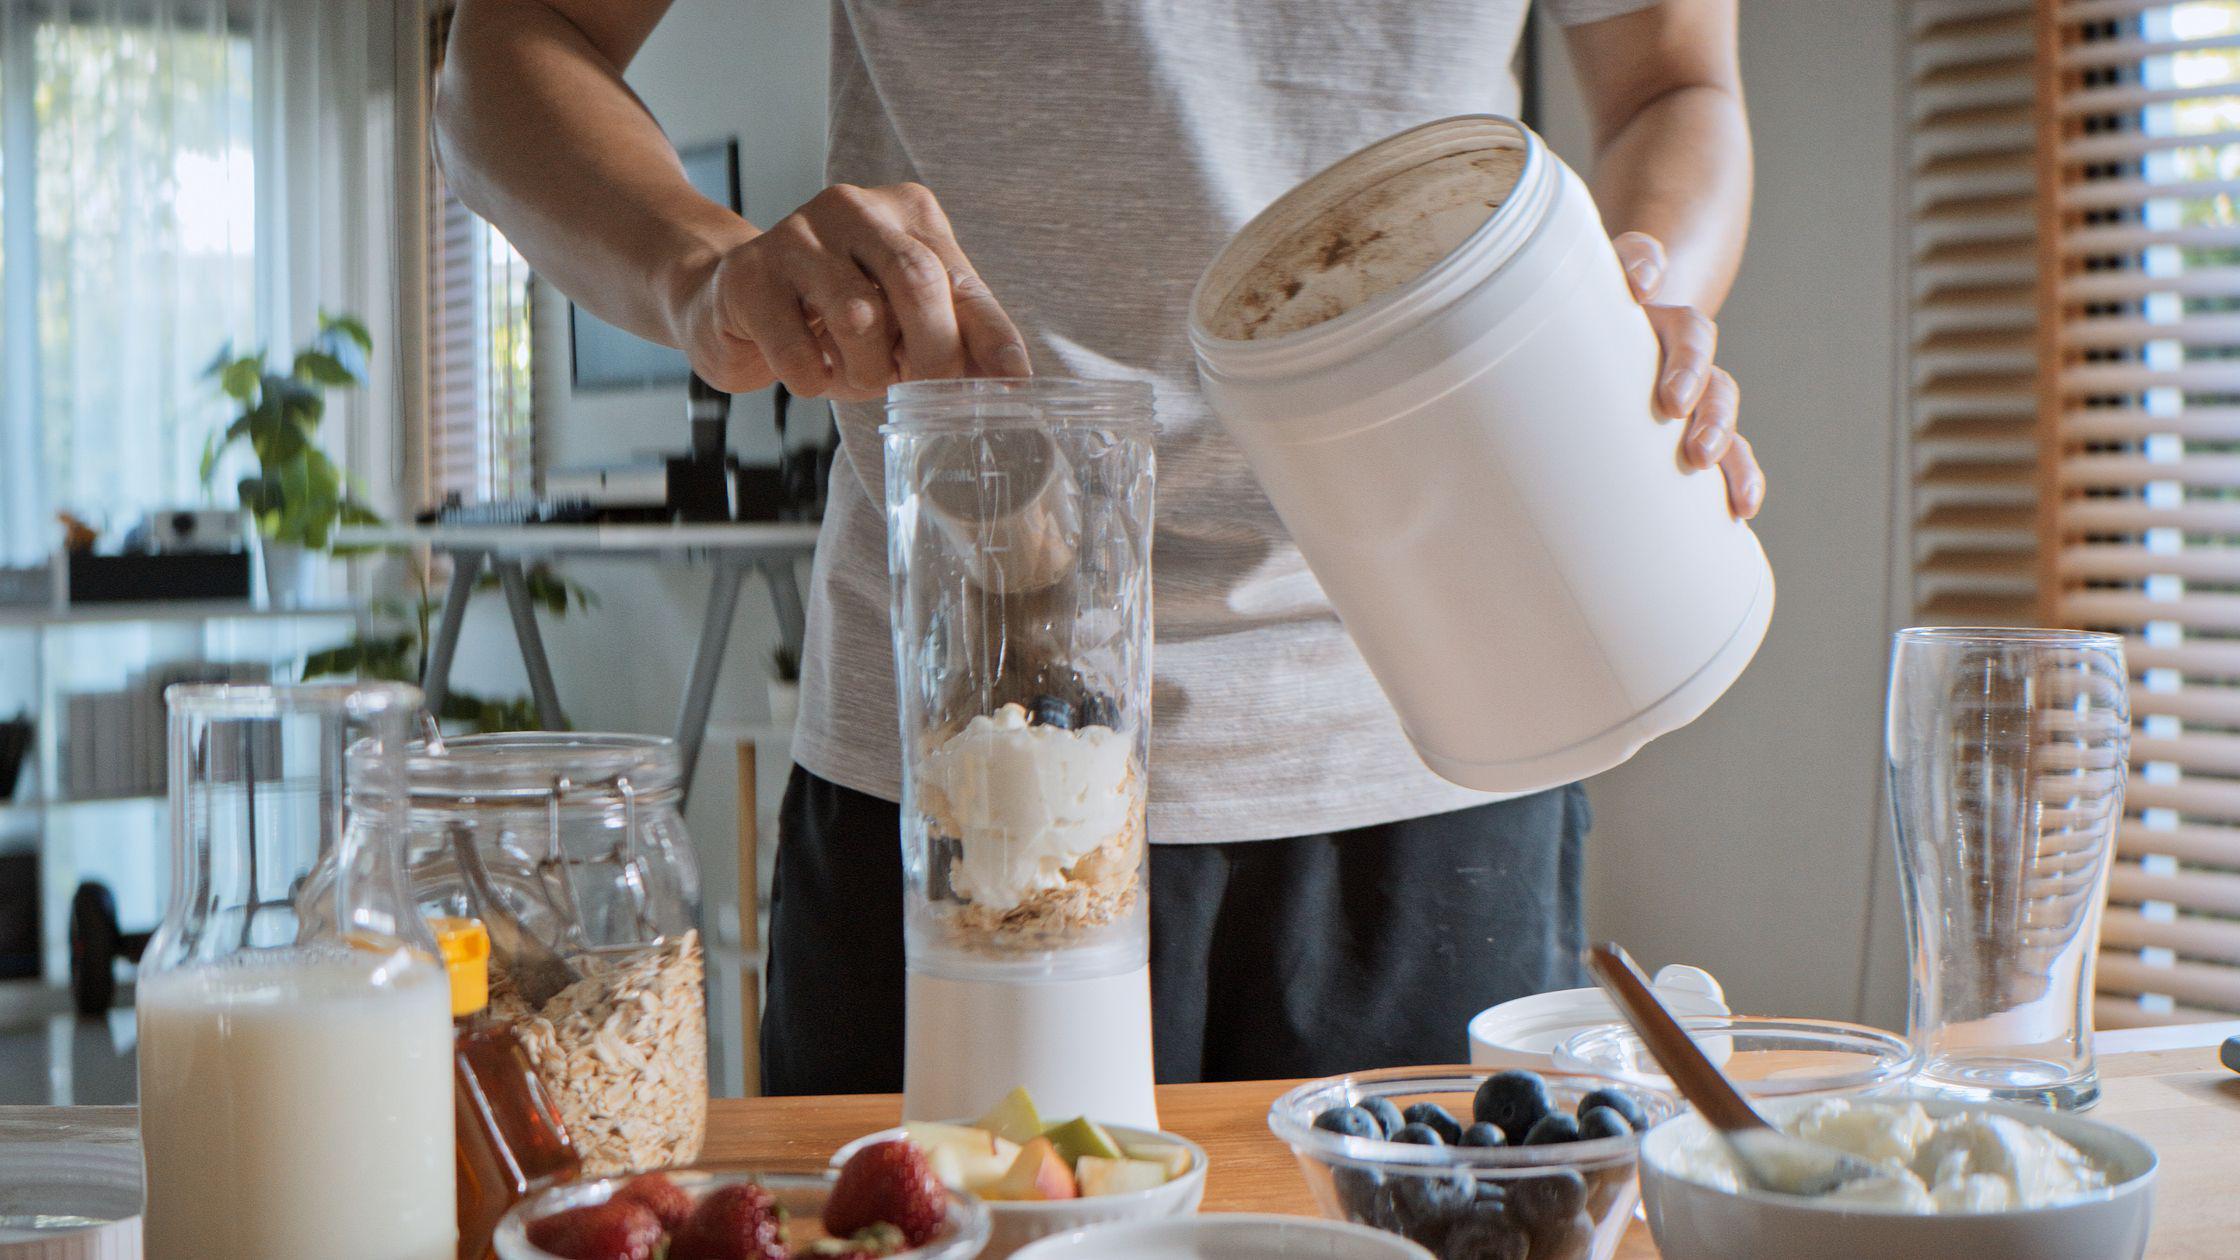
x: 394, y: 647
x: 297, y: 495
x: 785, y: 687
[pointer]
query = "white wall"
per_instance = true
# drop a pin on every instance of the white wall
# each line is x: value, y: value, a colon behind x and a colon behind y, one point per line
x: 754, y: 70
x: 1749, y: 842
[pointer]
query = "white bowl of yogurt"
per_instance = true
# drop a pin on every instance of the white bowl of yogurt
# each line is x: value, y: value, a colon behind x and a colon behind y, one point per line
x: 1984, y: 1181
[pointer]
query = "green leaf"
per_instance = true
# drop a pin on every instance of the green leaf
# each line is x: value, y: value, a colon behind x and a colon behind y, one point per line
x: 349, y: 326
x: 216, y: 367
x: 212, y: 447
x: 324, y: 368
x: 356, y: 513
x: 240, y: 378
x: 259, y: 495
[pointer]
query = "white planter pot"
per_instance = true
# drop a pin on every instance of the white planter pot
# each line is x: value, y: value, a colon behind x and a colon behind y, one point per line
x: 290, y: 572
x: 785, y: 703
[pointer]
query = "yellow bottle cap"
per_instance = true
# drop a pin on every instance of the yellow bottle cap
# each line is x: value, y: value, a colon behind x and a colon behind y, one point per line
x: 465, y: 945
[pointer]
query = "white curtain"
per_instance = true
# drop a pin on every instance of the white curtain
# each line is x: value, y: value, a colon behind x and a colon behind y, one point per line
x: 176, y: 175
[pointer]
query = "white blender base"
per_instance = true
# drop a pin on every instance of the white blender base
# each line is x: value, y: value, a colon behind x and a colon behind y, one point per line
x: 1081, y: 1047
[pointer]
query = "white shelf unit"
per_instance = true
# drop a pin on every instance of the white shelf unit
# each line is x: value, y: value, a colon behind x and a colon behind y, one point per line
x: 48, y: 653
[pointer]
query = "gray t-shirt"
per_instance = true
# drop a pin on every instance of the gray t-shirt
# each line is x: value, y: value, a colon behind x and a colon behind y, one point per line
x: 1093, y: 156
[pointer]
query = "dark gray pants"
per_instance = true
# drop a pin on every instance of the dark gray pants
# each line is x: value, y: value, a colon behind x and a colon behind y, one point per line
x: 1270, y: 959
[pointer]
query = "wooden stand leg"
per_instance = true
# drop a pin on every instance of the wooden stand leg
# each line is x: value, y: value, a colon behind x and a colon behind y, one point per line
x: 750, y: 922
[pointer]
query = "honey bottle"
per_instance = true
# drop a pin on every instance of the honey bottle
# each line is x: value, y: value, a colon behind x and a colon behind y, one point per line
x: 510, y: 1139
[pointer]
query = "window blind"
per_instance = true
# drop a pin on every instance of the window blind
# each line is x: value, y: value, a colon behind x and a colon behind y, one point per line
x: 480, y: 438
x: 1973, y: 259
x: 2075, y: 399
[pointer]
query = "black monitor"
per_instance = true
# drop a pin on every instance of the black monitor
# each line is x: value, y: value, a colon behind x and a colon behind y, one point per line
x: 606, y: 357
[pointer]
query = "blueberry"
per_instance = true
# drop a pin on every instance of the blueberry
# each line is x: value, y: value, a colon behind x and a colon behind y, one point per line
x: 1417, y: 1135
x: 1098, y: 709
x: 1601, y: 1122
x: 1491, y: 1191
x: 1548, y: 1199
x: 1450, y: 1131
x: 1552, y: 1130
x: 1429, y: 1204
x: 1349, y: 1121
x: 1357, y: 1190
x: 1387, y: 1116
x: 1483, y: 1134
x: 1486, y: 1232
x: 1618, y: 1101
x: 1514, y: 1101
x: 1051, y: 711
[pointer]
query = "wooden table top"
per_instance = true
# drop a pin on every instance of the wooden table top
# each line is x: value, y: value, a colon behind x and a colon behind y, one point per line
x: 2180, y: 1100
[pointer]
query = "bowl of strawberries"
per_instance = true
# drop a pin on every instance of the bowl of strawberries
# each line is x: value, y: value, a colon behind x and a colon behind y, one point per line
x: 885, y: 1204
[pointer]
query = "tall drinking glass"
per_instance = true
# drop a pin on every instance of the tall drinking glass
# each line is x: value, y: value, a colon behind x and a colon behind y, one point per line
x: 2006, y: 752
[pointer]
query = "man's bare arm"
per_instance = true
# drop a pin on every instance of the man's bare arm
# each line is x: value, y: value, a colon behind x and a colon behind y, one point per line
x: 1672, y: 144
x: 539, y: 134
x: 1672, y: 176
x: 855, y: 290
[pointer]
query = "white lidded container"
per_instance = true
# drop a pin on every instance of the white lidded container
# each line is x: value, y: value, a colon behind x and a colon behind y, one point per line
x: 1446, y: 387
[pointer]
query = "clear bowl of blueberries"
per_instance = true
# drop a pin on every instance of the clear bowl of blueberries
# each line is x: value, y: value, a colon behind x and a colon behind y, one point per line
x: 1475, y: 1164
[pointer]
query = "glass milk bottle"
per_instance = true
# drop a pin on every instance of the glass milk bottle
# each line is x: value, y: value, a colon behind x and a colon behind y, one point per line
x: 1019, y: 527
x: 295, y: 1060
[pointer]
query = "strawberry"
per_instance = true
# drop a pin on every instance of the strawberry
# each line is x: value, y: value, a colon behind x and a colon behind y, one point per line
x: 613, y: 1230
x: 664, y: 1197
x: 741, y: 1222
x: 888, y: 1182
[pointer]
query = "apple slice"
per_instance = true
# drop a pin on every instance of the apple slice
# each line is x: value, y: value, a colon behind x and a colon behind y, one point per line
x: 1039, y: 1173
x: 1014, y: 1119
x: 1100, y: 1176
x: 965, y: 1158
x: 1174, y: 1159
x: 1081, y: 1137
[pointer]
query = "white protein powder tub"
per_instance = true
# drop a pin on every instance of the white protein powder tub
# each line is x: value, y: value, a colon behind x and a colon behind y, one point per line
x: 1431, y: 358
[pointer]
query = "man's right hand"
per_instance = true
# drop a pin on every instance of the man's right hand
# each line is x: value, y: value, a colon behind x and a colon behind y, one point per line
x: 858, y: 289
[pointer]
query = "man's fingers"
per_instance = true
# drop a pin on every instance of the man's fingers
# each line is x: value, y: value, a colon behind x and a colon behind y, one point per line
x: 916, y: 283
x: 765, y: 309
x: 1642, y: 256
x: 1746, y: 482
x: 852, y: 317
x: 1711, y: 426
x: 992, y: 344
x: 1689, y: 341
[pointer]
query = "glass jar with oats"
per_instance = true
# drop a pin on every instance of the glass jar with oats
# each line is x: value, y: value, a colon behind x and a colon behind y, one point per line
x: 570, y: 849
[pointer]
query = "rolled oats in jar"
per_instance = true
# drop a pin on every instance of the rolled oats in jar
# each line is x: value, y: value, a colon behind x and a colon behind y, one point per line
x: 571, y: 849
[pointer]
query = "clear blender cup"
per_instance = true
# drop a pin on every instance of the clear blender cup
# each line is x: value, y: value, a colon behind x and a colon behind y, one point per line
x: 1019, y: 536
x: 1019, y: 517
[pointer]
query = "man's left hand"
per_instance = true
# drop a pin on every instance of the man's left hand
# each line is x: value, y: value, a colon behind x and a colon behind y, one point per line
x: 1690, y: 386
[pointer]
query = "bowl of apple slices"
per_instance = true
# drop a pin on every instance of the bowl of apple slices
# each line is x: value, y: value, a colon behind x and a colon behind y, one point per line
x: 1039, y: 1178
